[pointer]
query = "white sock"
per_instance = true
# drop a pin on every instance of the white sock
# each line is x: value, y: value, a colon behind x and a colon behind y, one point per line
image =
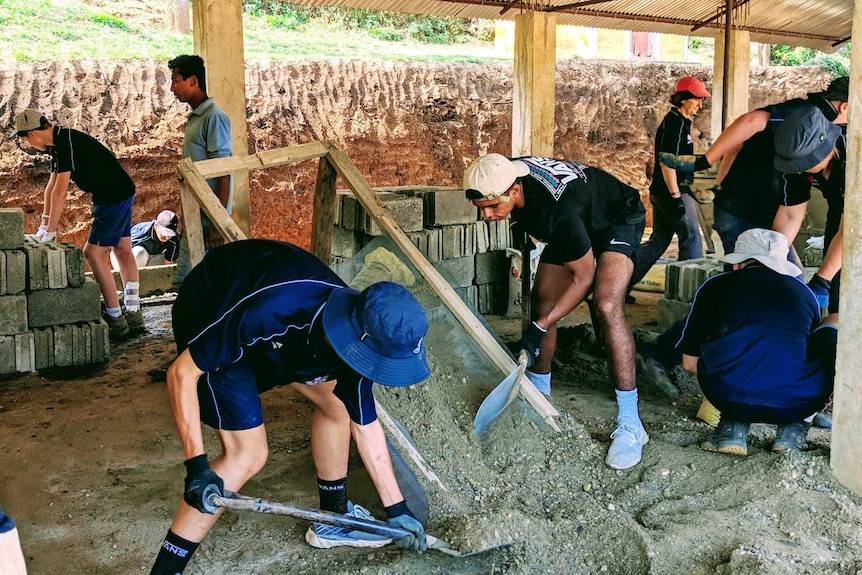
x: 627, y: 402
x: 131, y: 299
x: 542, y: 381
x: 114, y: 311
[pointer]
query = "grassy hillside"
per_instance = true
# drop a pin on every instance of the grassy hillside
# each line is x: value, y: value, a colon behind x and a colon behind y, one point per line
x: 49, y: 30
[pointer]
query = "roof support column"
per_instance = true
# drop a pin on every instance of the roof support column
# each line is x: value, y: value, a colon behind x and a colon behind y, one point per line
x: 731, y: 93
x: 217, y: 27
x: 847, y: 410
x: 534, y: 84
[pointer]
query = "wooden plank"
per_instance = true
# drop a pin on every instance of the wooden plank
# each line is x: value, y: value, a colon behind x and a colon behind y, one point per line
x: 533, y: 84
x: 191, y: 214
x: 499, y: 356
x: 204, y: 197
x: 261, y: 160
x: 323, y: 218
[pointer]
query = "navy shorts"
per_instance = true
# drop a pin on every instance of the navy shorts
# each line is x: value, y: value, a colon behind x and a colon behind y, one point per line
x: 111, y: 222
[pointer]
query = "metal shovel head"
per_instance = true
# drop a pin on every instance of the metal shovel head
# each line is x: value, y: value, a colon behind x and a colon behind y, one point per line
x: 499, y: 398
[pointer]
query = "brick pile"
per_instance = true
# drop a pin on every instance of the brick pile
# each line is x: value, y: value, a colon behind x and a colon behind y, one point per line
x: 682, y: 279
x: 50, y: 314
x: 468, y: 251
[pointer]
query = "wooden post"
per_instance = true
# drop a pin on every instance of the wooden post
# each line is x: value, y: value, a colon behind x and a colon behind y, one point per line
x: 847, y: 410
x: 323, y: 217
x: 534, y: 84
x: 731, y: 92
x: 219, y: 41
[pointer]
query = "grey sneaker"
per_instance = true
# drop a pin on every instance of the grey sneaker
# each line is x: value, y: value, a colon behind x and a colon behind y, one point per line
x: 627, y: 445
x: 135, y: 319
x: 729, y: 437
x: 654, y: 371
x: 791, y: 437
x: 118, y: 327
x: 325, y: 536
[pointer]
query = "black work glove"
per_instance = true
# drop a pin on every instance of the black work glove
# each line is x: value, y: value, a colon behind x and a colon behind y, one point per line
x: 820, y: 287
x: 404, y: 519
x: 531, y: 342
x: 200, y: 483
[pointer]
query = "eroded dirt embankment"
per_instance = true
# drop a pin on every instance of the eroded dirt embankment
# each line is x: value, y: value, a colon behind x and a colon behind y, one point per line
x: 401, y: 123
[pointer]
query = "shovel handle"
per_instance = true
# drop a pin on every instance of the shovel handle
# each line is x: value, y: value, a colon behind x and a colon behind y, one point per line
x: 237, y: 502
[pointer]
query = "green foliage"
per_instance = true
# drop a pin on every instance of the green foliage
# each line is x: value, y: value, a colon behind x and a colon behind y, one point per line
x: 781, y: 55
x: 110, y: 21
x: 837, y: 64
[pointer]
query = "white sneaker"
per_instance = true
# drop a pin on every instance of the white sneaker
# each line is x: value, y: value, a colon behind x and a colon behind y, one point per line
x: 627, y: 445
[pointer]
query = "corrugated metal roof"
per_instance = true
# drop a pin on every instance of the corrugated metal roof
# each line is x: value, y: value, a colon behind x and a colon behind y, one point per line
x: 820, y: 24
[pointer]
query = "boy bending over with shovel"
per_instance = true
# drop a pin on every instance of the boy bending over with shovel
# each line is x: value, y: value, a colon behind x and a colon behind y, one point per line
x: 257, y: 314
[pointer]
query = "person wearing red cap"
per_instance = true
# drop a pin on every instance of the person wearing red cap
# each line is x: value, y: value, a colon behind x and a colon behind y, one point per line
x: 674, y: 207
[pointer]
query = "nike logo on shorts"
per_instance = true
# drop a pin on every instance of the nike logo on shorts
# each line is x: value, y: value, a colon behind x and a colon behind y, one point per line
x: 614, y: 242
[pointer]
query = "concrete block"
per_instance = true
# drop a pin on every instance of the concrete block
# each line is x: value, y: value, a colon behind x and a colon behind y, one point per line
x: 469, y: 239
x: 11, y: 228
x: 492, y: 267
x: 3, y: 273
x: 459, y: 272
x: 13, y: 314
x: 482, y: 236
x: 452, y: 242
x: 43, y: 339
x: 344, y: 243
x: 339, y: 200
x: 671, y: 280
x: 56, y: 256
x: 63, y: 306
x: 406, y: 211
x: 37, y: 265
x: 434, y: 249
x: 25, y: 352
x: 15, y: 274
x: 442, y: 206
x: 351, y: 212
x: 7, y: 354
x: 64, y: 345
x: 101, y: 347
x: 75, y: 265
x: 492, y: 298
x: 671, y: 311
x: 154, y: 279
x: 470, y: 295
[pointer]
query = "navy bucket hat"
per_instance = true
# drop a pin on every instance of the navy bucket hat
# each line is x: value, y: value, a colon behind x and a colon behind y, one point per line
x: 804, y: 140
x: 379, y: 333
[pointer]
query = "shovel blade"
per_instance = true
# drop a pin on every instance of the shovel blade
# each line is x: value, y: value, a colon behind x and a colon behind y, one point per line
x: 499, y: 398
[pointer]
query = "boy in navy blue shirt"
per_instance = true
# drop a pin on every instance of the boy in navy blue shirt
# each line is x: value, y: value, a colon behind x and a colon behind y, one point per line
x: 257, y: 314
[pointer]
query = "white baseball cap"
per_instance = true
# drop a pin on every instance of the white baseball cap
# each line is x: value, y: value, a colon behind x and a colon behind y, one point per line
x: 490, y: 176
x: 766, y: 246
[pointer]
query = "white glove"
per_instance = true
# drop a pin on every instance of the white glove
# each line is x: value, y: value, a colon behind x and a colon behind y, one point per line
x: 48, y: 237
x: 41, y: 231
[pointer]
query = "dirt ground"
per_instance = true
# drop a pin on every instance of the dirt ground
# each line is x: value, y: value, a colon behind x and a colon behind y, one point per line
x: 90, y: 467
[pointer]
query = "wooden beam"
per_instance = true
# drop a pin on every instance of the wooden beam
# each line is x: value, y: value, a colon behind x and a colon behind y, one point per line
x: 462, y: 312
x: 846, y: 452
x: 323, y: 217
x: 533, y: 98
x: 261, y: 160
x: 202, y: 198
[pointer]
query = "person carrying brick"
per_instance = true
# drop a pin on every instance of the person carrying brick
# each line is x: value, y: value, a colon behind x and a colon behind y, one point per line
x: 78, y: 157
x: 257, y: 314
x: 154, y: 243
x: 755, y: 340
x: 592, y: 224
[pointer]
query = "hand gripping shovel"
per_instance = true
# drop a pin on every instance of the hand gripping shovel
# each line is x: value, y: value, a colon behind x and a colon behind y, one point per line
x: 237, y: 502
x: 500, y: 397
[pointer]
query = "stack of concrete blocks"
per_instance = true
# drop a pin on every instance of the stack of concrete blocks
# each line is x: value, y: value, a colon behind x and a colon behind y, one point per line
x: 468, y: 251
x: 682, y: 279
x: 49, y: 315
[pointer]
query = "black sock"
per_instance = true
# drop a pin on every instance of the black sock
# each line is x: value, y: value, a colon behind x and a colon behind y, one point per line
x: 174, y: 555
x: 333, y: 495
x: 701, y: 163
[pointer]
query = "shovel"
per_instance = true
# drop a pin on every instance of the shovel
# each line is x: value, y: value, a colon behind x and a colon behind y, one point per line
x: 500, y: 397
x: 237, y: 502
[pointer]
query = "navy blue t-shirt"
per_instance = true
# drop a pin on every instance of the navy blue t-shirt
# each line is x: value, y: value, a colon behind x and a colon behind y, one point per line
x: 832, y: 188
x: 93, y: 167
x: 673, y: 136
x: 261, y: 302
x: 750, y: 328
x: 144, y: 235
x: 753, y: 189
x: 567, y: 202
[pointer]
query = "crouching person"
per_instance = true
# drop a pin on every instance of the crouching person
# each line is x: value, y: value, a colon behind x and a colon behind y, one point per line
x: 755, y: 341
x: 257, y: 314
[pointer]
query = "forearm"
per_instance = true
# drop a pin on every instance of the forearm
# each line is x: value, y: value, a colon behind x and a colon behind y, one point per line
x: 222, y: 189
x: 832, y: 259
x: 182, y: 386
x: 669, y: 176
x: 788, y: 220
x: 371, y: 445
x: 574, y: 294
x: 55, y: 198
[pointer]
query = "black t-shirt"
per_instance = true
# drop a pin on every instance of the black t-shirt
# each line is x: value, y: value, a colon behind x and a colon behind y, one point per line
x: 753, y: 189
x: 832, y: 188
x: 567, y: 202
x: 673, y: 136
x: 94, y: 168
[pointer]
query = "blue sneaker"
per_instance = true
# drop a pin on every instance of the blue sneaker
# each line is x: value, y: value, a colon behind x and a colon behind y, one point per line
x: 325, y: 536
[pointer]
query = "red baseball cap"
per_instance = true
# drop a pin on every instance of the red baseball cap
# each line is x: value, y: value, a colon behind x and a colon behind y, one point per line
x: 693, y: 85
